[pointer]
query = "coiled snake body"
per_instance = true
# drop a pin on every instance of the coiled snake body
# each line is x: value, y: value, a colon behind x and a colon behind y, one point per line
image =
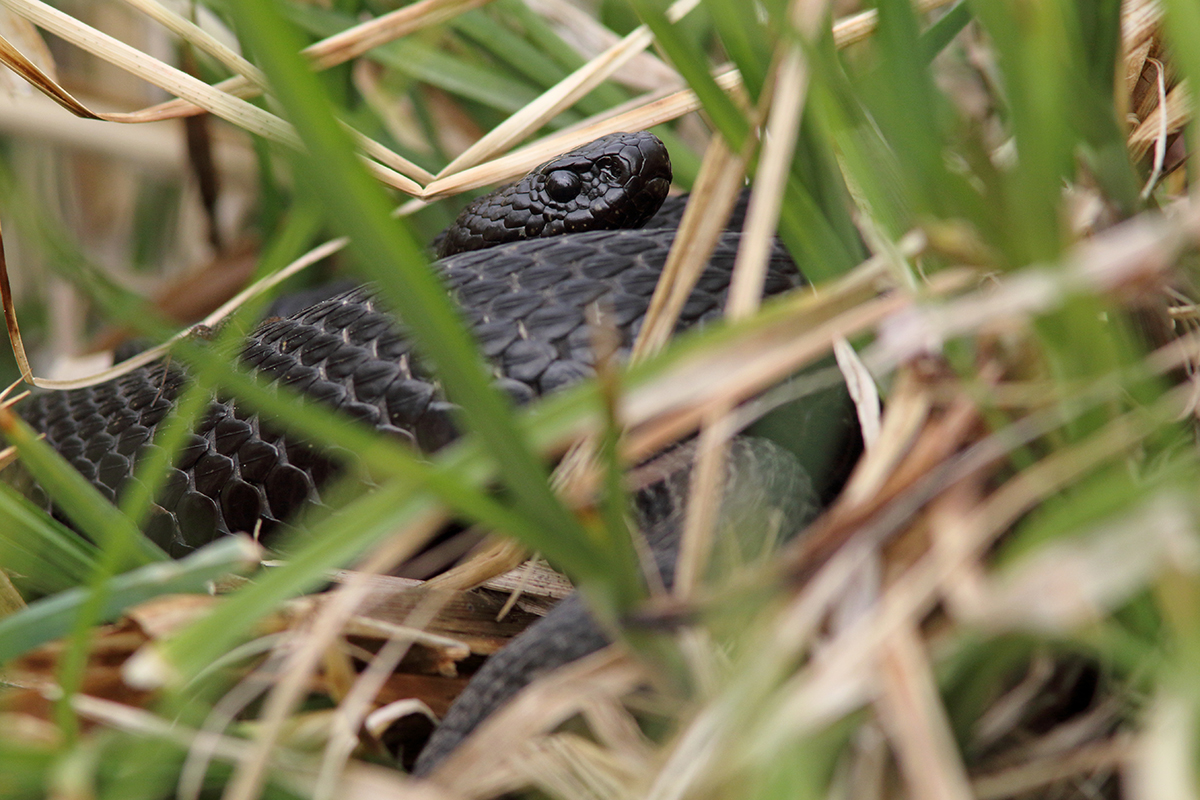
x: 524, y: 298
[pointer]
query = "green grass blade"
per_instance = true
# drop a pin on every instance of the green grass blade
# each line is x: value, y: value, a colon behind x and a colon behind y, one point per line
x: 38, y: 550
x: 152, y: 470
x: 381, y: 457
x: 904, y: 104
x: 747, y: 41
x: 89, y: 510
x: 804, y: 224
x: 388, y: 253
x: 943, y: 30
x: 543, y: 36
x: 1101, y: 131
x: 335, y: 542
x: 692, y: 65
x: 1183, y: 32
x: 426, y: 62
x: 52, y: 617
x: 1035, y: 56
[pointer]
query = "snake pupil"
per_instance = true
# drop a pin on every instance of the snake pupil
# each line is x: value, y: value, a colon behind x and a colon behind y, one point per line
x: 562, y: 185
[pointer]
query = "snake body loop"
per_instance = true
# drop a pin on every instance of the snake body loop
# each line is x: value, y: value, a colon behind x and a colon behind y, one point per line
x: 524, y: 300
x: 766, y: 493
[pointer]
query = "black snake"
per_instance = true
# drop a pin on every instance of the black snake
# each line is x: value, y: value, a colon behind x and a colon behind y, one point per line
x: 524, y: 265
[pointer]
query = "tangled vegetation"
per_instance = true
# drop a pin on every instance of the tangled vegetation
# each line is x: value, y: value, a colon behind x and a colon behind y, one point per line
x: 992, y: 201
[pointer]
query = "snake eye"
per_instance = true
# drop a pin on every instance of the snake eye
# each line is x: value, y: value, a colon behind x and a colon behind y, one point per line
x: 562, y: 185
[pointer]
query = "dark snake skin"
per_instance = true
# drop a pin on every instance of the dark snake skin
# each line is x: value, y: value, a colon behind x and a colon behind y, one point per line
x: 525, y: 301
x: 616, y: 182
x: 526, y: 304
x: 760, y: 478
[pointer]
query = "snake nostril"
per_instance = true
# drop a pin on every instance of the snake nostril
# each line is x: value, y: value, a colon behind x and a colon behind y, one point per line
x: 614, y: 170
x: 562, y: 185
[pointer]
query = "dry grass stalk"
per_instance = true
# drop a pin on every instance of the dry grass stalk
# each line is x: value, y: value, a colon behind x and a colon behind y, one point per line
x: 363, y: 781
x: 721, y: 376
x: 948, y: 516
x: 23, y: 37
x: 785, y: 102
x: 10, y: 321
x: 1140, y: 21
x: 34, y: 74
x: 353, y: 709
x: 150, y: 149
x: 863, y: 392
x: 643, y: 73
x: 807, y: 697
x: 644, y: 114
x: 1075, y: 583
x: 533, y: 578
x: 562, y: 95
x: 909, y: 406
x: 1162, y: 759
x: 10, y: 599
x: 232, y: 109
x: 1127, y: 258
x: 194, y: 35
x: 354, y: 42
x: 537, y: 582
x: 748, y: 277
x: 226, y: 106
x: 916, y: 722
x: 1168, y: 117
x: 1164, y: 124
x: 488, y: 763
x: 703, y: 502
x: 1159, y: 103
x: 460, y: 628
x: 923, y: 451
x: 330, y: 52
x: 860, y: 26
x: 1105, y: 756
x: 496, y: 558
x: 119, y: 716
x: 720, y: 179
x: 574, y: 767
x: 326, y: 627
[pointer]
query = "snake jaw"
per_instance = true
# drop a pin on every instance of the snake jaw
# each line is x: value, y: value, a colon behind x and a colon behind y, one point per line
x: 618, y: 181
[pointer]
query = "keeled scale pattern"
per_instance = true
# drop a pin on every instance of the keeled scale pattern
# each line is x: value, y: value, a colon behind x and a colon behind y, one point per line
x: 620, y: 180
x: 526, y: 303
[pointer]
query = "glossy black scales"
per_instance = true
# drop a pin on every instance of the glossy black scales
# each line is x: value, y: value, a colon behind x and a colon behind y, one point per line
x: 615, y: 182
x: 526, y: 303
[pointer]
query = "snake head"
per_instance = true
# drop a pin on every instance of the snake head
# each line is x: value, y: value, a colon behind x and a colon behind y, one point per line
x: 616, y: 181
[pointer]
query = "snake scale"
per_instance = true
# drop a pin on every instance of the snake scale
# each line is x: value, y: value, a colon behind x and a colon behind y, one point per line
x: 524, y: 265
